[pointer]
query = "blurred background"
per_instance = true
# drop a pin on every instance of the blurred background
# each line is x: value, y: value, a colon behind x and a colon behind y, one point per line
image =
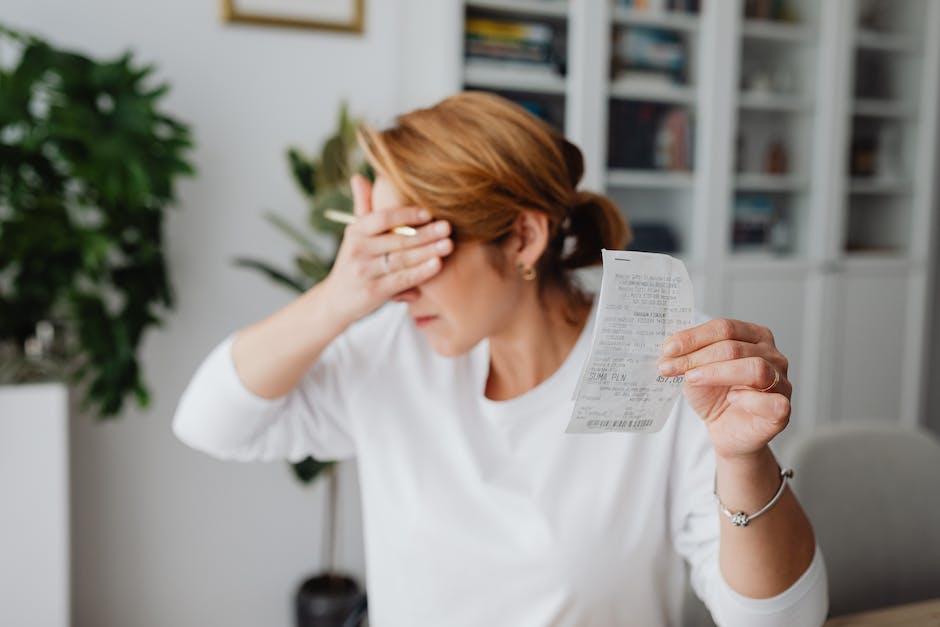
x: 786, y: 150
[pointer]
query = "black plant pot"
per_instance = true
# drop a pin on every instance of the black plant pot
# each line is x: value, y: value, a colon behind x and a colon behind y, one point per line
x: 329, y: 600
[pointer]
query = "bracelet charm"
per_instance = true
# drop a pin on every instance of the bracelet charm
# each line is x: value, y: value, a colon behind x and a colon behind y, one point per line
x: 741, y: 519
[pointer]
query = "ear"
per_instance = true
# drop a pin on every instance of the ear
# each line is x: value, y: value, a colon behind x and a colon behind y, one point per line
x: 531, y: 238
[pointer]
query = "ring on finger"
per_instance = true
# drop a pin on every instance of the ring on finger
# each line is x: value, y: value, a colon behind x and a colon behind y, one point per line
x: 773, y: 384
x: 386, y: 266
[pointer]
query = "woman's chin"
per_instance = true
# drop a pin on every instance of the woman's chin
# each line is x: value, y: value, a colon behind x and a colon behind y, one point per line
x: 447, y: 347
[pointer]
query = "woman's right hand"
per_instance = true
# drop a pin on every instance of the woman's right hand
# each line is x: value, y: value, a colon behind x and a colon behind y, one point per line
x: 373, y: 264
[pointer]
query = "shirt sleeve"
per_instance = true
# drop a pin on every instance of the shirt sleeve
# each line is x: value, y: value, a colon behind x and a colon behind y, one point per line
x: 695, y: 531
x: 218, y: 415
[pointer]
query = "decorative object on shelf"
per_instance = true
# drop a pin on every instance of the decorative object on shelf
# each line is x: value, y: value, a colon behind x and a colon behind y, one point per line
x: 760, y: 224
x: 88, y: 166
x: 653, y: 6
x: 773, y: 10
x: 649, y: 136
x: 863, y: 160
x: 872, y: 14
x: 653, y: 56
x: 888, y: 162
x: 740, y: 153
x: 776, y: 161
x: 329, y: 597
x: 335, y: 15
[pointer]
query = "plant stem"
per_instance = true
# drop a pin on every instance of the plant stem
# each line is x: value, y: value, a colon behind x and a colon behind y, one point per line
x: 330, y: 549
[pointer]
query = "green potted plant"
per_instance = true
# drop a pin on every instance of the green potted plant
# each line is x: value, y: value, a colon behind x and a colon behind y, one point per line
x: 88, y: 166
x: 330, y: 597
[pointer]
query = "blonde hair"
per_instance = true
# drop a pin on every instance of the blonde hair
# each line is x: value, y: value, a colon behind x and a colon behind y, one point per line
x: 478, y: 160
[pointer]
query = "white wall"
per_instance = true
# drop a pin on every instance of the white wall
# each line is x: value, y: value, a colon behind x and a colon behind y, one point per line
x: 161, y: 534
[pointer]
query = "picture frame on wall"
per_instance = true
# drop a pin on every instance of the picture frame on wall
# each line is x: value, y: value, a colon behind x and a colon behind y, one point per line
x: 335, y: 15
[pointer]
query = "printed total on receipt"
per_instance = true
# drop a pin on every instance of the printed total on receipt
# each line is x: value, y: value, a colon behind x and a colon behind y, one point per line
x: 644, y: 298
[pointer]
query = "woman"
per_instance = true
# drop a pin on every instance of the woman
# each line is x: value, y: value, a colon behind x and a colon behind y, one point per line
x: 478, y: 509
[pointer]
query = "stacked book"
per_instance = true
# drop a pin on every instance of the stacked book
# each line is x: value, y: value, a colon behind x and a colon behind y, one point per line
x: 650, y: 136
x: 509, y: 41
x: 681, y: 6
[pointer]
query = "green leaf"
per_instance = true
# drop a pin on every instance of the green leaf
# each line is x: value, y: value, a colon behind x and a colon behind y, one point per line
x: 303, y: 171
x: 290, y: 231
x: 333, y: 166
x: 272, y: 273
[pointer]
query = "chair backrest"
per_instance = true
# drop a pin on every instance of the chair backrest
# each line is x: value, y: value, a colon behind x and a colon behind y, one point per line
x: 872, y: 493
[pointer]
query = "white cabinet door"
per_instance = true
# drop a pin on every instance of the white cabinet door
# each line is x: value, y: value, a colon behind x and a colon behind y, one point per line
x: 779, y: 303
x: 868, y: 334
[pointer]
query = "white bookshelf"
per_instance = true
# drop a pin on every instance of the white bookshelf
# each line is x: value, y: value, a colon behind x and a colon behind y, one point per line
x: 846, y: 296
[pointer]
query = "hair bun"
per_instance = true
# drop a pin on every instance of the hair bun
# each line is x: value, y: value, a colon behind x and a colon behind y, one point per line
x: 574, y: 161
x: 595, y: 223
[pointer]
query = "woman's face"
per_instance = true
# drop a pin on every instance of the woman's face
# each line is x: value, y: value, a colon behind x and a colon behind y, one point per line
x: 467, y: 301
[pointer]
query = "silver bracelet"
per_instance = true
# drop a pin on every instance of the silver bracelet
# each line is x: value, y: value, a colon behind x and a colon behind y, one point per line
x: 741, y: 519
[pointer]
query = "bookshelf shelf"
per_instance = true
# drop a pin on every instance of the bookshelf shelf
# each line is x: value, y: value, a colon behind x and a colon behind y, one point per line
x: 512, y: 76
x: 672, y: 20
x: 879, y: 186
x: 628, y: 89
x: 775, y: 31
x: 756, y: 182
x: 882, y: 108
x: 763, y: 263
x: 885, y: 42
x: 649, y: 179
x: 765, y: 101
x: 542, y: 8
x: 868, y: 260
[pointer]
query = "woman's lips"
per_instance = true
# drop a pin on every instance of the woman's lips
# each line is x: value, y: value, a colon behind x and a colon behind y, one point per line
x: 423, y: 321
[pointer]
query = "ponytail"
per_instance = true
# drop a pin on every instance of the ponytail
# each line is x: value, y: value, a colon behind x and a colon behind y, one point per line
x: 594, y: 222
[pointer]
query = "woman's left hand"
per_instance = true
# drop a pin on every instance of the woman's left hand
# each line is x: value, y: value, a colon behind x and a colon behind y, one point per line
x: 736, y: 379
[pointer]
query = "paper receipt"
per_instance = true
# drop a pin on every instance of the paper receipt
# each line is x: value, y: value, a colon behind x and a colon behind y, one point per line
x: 644, y: 298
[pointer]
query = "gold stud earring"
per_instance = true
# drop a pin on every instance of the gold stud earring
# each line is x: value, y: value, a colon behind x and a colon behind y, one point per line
x: 528, y: 272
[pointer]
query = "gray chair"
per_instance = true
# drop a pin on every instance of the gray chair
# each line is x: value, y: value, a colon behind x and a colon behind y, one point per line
x: 872, y: 492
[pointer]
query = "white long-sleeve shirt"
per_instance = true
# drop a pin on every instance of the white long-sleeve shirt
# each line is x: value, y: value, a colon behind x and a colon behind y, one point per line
x: 485, y: 513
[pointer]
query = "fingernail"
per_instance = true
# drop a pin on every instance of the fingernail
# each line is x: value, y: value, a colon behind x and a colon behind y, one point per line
x: 424, y: 214
x: 443, y: 245
x: 671, y: 348
x: 441, y: 228
x: 667, y: 368
x: 692, y: 376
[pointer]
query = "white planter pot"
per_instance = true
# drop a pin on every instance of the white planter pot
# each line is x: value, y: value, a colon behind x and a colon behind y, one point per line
x: 34, y: 505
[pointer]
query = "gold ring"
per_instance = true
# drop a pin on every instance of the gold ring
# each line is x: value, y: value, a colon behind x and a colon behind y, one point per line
x: 774, y: 384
